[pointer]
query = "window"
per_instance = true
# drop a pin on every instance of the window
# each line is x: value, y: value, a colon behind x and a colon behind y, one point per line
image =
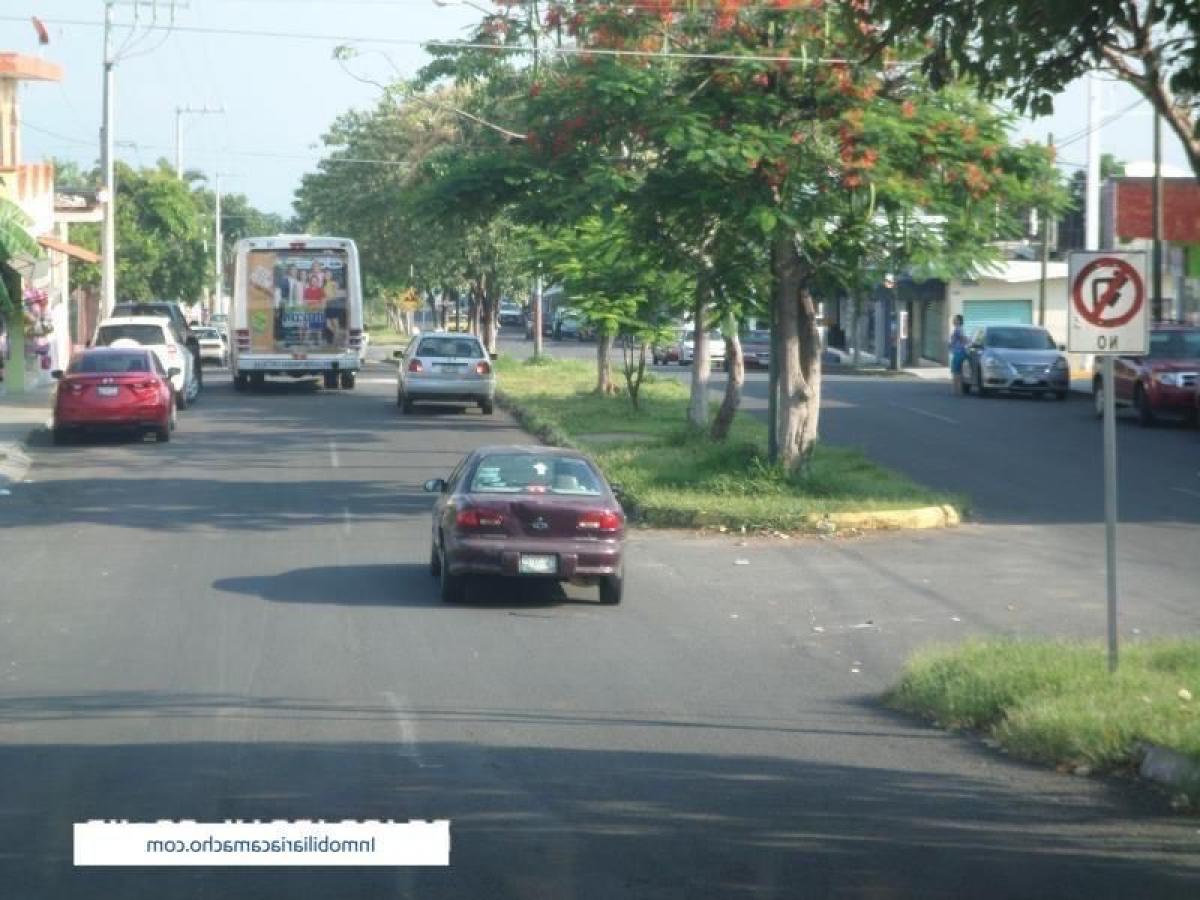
x: 146, y: 335
x: 534, y: 473
x: 109, y: 363
x: 1175, y: 344
x: 445, y: 347
x: 1020, y: 339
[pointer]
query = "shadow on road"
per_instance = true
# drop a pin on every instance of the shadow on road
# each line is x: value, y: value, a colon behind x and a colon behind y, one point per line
x: 536, y: 821
x: 400, y: 585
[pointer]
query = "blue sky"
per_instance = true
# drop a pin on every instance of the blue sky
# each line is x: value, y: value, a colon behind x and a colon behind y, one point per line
x: 280, y: 93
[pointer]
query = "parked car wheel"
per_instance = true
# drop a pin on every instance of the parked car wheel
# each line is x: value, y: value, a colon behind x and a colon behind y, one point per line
x: 435, y: 561
x: 979, y: 388
x: 163, y: 434
x: 1060, y: 395
x: 487, y: 407
x: 1144, y: 412
x: 348, y: 380
x: 611, y: 589
x: 329, y: 380
x: 61, y: 436
x: 406, y: 406
x: 181, y: 401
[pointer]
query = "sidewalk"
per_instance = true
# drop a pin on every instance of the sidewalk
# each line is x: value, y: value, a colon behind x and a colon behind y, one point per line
x: 20, y: 416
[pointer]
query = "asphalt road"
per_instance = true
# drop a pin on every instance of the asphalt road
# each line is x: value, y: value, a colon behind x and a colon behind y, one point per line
x: 240, y: 624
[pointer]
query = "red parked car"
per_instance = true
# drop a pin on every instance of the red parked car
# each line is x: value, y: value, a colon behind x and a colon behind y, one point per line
x: 527, y: 512
x: 114, y: 388
x: 1162, y: 383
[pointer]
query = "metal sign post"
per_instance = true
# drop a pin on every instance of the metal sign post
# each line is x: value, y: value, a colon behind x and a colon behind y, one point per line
x: 1107, y: 317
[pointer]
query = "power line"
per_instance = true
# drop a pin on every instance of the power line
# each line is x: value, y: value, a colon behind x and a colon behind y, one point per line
x: 460, y: 45
x: 1077, y: 136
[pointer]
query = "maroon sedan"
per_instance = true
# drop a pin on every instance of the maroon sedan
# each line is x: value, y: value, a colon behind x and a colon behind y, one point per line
x: 114, y: 388
x: 527, y: 512
x: 1162, y: 383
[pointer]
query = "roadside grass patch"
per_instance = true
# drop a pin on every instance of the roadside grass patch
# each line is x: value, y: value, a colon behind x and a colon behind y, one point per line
x: 1055, y: 701
x: 673, y: 477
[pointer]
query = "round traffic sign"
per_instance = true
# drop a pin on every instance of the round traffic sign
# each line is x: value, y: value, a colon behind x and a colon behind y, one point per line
x: 1108, y: 292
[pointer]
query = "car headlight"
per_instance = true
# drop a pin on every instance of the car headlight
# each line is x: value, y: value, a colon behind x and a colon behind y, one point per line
x: 1170, y: 379
x: 992, y: 361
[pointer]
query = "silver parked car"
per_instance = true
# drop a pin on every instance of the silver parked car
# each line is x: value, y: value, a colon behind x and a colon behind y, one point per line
x: 1018, y: 358
x: 445, y: 367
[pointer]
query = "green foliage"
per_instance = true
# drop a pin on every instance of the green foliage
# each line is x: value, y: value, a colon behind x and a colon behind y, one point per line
x: 15, y: 240
x: 1030, y: 50
x: 1056, y: 702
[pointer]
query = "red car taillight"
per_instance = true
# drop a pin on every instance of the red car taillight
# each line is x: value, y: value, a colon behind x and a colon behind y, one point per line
x: 143, y: 386
x: 601, y: 522
x: 482, y: 368
x: 471, y: 518
x: 415, y: 366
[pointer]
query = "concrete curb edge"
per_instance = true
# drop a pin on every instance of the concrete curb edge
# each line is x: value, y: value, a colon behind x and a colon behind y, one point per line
x: 1169, y: 768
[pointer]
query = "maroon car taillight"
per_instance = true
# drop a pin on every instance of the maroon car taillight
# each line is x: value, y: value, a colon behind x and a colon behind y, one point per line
x: 472, y: 518
x: 605, y: 522
x: 482, y: 368
x: 415, y: 366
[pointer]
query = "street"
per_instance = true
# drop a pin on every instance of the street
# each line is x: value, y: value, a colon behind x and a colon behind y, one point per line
x: 241, y: 625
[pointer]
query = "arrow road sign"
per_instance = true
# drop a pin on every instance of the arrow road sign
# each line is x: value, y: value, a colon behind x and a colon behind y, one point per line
x: 1108, y: 303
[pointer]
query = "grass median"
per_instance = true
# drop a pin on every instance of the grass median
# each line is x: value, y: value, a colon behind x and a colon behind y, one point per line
x: 674, y: 477
x: 1056, y: 702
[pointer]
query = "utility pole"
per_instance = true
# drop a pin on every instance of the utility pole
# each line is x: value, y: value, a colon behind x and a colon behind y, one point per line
x: 217, y: 306
x: 108, y: 252
x: 1092, y: 205
x: 180, y: 112
x: 1156, y: 303
x: 1044, y: 216
x: 108, y: 260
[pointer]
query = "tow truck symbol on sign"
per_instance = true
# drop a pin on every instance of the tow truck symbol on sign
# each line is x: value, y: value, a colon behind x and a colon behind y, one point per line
x: 1108, y: 297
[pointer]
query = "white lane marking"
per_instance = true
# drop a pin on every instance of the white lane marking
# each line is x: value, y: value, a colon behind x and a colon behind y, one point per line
x: 370, y: 380
x: 333, y: 455
x: 924, y: 412
x: 346, y: 517
x: 408, y: 734
x: 1187, y: 491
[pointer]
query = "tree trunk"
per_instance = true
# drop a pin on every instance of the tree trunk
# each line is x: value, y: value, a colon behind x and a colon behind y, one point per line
x: 735, y: 375
x: 698, y: 404
x: 604, y: 379
x: 490, y: 307
x: 798, y: 403
x: 634, y: 374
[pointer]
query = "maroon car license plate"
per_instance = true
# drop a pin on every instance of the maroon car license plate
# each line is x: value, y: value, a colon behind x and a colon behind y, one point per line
x: 107, y: 391
x: 538, y: 564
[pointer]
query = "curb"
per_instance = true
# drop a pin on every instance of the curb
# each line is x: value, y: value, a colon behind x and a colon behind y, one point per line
x: 1169, y: 767
x: 943, y: 516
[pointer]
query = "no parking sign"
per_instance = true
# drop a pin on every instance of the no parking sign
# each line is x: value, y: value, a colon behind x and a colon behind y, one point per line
x: 1107, y: 303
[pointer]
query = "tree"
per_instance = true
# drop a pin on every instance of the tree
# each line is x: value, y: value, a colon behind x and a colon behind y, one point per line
x: 1029, y: 50
x: 161, y: 234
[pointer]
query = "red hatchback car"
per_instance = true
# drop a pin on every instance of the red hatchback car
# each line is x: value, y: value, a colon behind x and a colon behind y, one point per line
x: 527, y: 512
x: 1163, y: 383
x: 111, y: 388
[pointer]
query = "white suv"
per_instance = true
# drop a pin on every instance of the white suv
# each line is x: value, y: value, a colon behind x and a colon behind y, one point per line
x: 154, y: 333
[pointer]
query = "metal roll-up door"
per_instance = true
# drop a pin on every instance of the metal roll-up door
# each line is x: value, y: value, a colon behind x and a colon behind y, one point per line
x: 980, y: 313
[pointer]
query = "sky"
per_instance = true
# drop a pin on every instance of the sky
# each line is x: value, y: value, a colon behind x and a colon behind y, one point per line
x: 280, y: 93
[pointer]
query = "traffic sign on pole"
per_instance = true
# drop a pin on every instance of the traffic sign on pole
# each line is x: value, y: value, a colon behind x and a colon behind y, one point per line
x: 1107, y: 309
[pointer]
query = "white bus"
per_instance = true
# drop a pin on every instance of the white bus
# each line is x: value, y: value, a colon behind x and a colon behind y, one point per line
x: 297, y: 310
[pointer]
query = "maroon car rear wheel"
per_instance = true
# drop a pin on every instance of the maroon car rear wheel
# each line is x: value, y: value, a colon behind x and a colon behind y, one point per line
x: 611, y: 589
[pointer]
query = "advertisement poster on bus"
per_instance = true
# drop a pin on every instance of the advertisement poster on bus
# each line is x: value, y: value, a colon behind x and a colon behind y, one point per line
x: 297, y: 301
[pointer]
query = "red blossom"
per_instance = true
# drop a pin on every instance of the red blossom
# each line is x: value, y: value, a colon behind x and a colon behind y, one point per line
x: 908, y: 109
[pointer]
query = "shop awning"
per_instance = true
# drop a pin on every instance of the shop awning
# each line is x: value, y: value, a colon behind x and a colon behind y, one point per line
x: 80, y: 253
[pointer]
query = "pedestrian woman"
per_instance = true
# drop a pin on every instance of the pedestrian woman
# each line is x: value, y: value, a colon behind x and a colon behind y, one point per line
x: 958, y: 353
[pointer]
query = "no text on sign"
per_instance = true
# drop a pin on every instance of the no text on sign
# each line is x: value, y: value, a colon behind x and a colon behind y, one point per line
x: 1107, y: 303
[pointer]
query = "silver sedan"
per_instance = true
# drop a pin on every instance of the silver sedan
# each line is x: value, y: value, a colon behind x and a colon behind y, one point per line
x: 1017, y: 358
x: 445, y: 367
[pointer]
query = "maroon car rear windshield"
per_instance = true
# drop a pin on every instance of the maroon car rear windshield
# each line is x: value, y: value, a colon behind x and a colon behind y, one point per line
x: 515, y: 473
